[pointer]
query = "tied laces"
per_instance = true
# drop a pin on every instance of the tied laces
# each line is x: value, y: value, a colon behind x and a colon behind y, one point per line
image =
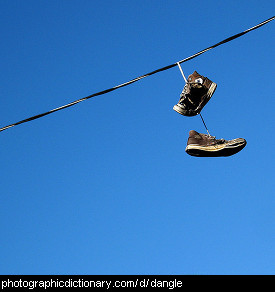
x: 218, y: 141
x: 214, y: 140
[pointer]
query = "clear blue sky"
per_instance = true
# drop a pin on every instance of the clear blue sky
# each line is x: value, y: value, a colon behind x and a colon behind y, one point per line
x: 105, y: 187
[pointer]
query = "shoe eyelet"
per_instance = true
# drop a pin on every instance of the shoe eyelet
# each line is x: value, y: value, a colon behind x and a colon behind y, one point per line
x: 199, y: 80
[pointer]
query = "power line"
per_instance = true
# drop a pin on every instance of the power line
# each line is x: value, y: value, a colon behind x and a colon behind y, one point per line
x: 138, y: 78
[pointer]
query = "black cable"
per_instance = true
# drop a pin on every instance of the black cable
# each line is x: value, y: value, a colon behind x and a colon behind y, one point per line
x: 205, y: 125
x: 138, y: 78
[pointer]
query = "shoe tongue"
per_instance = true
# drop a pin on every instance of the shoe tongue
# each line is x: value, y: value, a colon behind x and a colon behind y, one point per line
x: 193, y: 76
x: 196, y: 74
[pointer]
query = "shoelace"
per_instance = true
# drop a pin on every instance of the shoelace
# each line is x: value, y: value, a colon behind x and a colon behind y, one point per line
x: 217, y: 141
x: 184, y: 94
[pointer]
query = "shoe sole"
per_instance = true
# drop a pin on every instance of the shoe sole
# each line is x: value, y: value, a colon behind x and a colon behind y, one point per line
x: 234, y: 147
x: 211, y: 90
x: 181, y: 110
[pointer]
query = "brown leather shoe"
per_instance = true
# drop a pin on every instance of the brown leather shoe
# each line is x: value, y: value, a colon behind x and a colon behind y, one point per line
x: 203, y: 145
x: 196, y: 93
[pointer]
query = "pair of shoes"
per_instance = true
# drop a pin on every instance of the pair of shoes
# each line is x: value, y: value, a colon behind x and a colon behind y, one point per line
x: 196, y: 93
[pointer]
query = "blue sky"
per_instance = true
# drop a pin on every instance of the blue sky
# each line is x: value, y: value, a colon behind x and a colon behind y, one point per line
x: 105, y: 187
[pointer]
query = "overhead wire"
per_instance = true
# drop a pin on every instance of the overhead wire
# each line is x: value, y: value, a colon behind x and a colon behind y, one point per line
x: 138, y: 78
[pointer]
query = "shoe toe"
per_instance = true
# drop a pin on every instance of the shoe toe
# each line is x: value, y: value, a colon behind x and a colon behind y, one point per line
x: 239, y: 142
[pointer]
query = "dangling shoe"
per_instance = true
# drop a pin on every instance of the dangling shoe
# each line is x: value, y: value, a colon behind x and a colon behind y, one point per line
x: 203, y: 145
x: 196, y: 93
